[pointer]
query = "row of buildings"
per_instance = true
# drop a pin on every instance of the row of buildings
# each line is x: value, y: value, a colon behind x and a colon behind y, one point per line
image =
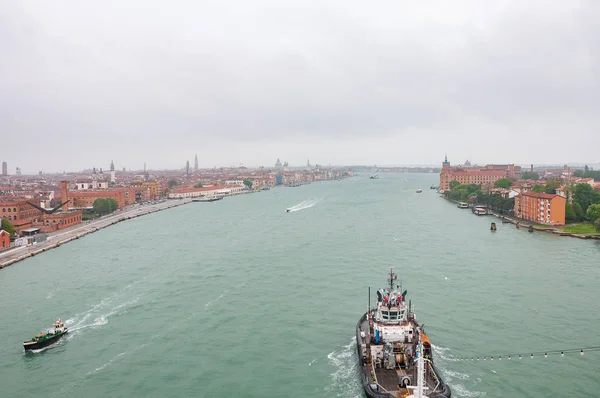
x: 47, y: 203
x: 541, y: 208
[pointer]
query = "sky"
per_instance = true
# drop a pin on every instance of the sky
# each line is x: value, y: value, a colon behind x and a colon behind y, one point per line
x: 342, y: 82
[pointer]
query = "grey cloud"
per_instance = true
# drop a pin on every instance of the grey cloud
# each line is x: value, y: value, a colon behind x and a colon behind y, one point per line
x: 212, y: 72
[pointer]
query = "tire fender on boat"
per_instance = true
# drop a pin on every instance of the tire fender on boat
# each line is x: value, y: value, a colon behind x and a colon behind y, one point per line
x: 404, y: 381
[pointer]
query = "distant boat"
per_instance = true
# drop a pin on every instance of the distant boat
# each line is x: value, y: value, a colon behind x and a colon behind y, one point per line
x: 463, y: 205
x: 207, y: 199
x: 419, y: 190
x: 374, y: 176
x: 480, y: 211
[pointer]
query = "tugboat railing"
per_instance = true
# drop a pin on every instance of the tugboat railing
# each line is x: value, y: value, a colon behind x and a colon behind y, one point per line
x: 375, y: 376
x: 435, y: 374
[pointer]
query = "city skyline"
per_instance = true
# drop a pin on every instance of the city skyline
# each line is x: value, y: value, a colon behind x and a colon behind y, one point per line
x: 337, y: 82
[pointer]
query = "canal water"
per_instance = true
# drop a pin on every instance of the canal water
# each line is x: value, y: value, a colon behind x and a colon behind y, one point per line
x: 238, y: 298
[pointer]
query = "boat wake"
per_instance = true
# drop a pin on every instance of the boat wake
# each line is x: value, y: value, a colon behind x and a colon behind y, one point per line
x: 453, y: 378
x: 305, y: 204
x: 345, y: 379
x: 89, y: 319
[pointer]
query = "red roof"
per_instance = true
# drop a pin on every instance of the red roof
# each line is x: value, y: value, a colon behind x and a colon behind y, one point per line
x: 477, y: 173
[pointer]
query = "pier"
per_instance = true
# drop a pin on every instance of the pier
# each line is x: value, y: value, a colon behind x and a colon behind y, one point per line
x: 56, y: 239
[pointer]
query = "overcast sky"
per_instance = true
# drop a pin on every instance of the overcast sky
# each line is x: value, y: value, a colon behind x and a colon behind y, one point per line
x: 347, y: 82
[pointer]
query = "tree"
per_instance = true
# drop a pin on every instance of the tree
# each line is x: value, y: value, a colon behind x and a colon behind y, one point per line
x: 7, y: 226
x: 453, y: 184
x: 538, y: 188
x: 597, y: 225
x: 172, y: 183
x: 199, y: 185
x: 528, y: 175
x: 593, y: 212
x: 578, y: 211
x: 552, y: 185
x: 248, y: 183
x: 570, y: 215
x: 503, y: 183
x: 585, y: 196
x: 578, y: 173
x: 104, y: 206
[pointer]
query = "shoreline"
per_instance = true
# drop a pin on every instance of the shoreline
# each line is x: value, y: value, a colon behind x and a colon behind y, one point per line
x: 528, y: 224
x: 56, y: 239
x: 20, y: 253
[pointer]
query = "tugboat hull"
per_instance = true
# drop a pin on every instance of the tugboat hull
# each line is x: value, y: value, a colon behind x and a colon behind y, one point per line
x: 371, y: 389
x: 36, y: 345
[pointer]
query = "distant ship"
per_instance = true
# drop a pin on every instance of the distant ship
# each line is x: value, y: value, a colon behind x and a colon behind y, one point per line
x: 46, y: 338
x: 207, y: 199
x: 394, y: 353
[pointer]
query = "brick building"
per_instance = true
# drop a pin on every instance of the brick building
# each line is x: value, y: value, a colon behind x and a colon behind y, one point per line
x: 480, y: 175
x: 541, y: 208
x: 4, y: 239
x: 20, y: 213
x: 57, y: 221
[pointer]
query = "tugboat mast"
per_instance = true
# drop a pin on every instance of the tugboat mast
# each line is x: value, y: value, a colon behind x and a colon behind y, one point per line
x: 392, y: 279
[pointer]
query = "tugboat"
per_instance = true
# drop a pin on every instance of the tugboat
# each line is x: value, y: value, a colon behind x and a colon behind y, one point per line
x: 46, y: 338
x: 394, y: 353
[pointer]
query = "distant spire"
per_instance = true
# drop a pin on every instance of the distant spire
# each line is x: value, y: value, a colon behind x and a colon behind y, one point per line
x: 112, y: 166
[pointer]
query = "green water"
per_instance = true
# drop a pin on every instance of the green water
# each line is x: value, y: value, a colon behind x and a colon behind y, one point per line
x: 238, y: 298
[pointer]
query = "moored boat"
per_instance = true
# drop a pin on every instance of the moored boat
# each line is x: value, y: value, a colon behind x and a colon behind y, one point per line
x: 394, y: 353
x: 207, y: 198
x: 47, y: 337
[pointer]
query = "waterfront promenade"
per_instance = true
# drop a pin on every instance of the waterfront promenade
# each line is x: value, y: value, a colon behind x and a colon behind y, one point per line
x: 58, y: 238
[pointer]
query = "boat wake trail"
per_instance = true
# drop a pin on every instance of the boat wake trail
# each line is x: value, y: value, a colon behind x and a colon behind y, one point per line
x: 346, y: 379
x: 453, y: 378
x: 305, y: 204
x: 96, y: 317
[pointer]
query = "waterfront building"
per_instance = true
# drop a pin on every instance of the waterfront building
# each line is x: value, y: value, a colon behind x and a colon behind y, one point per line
x: 541, y: 208
x: 480, y: 175
x: 24, y: 216
x: 187, y: 193
x: 4, y: 239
